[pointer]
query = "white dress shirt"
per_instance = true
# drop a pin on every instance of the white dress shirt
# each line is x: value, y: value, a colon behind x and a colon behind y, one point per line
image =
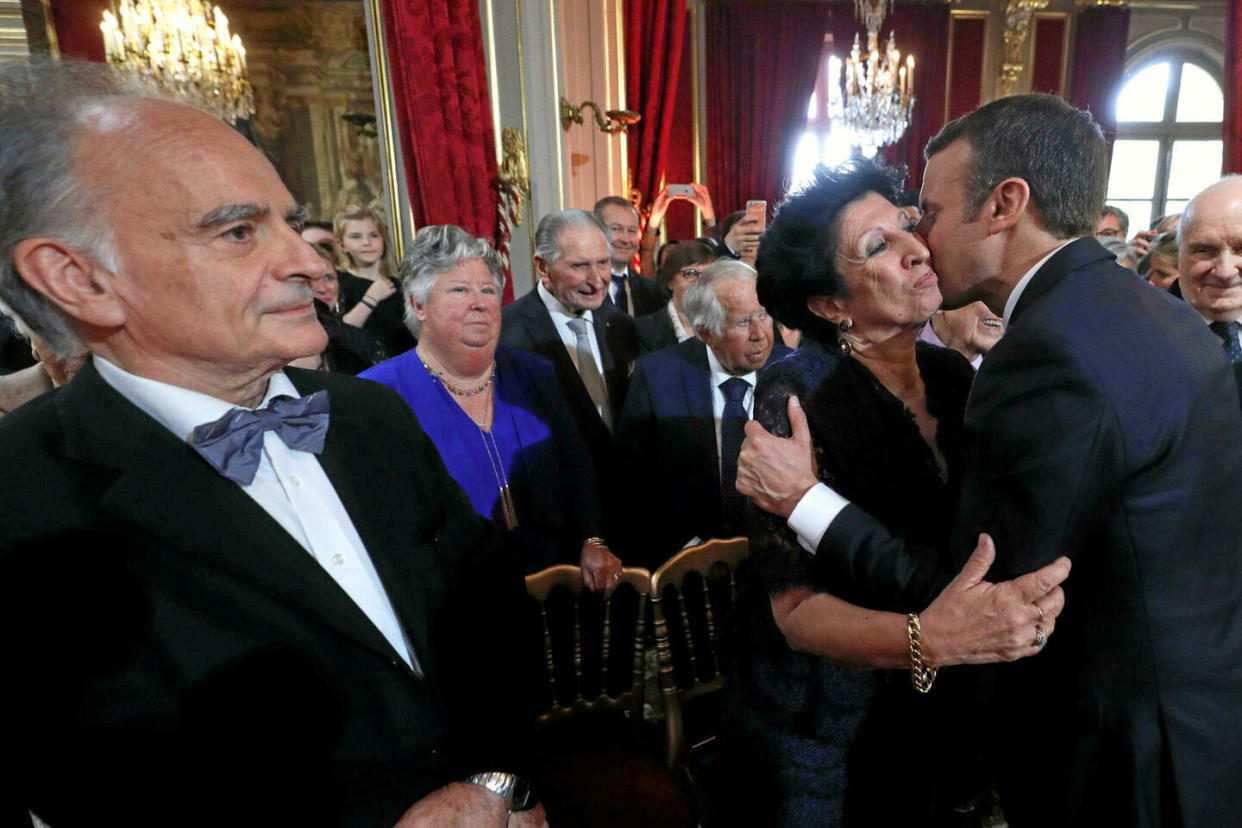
x: 289, y: 485
x: 560, y: 319
x: 719, y: 375
x: 820, y: 506
x: 679, y: 330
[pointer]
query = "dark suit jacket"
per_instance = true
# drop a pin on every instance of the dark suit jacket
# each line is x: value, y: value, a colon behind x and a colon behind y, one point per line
x: 655, y: 332
x: 666, y: 444
x: 1102, y: 426
x: 646, y: 295
x: 184, y: 661
x: 526, y: 326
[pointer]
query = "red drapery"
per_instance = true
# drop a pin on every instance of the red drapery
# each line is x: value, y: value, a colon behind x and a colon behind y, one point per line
x: 922, y: 31
x: 77, y: 27
x: 443, y: 114
x: 1099, y: 63
x: 1233, y: 82
x: 654, y: 36
x: 761, y: 62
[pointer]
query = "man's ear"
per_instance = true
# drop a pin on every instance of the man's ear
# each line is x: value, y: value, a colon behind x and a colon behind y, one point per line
x: 1007, y: 204
x: 70, y: 279
x: 541, y: 270
x: 828, y: 307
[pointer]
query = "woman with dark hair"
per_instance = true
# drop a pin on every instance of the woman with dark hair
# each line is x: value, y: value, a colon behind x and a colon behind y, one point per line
x: 821, y: 741
x: 679, y: 270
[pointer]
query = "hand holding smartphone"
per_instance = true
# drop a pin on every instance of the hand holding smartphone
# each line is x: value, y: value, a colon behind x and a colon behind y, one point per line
x: 758, y: 210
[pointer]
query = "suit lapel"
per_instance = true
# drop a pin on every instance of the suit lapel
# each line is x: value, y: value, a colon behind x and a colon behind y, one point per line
x: 1072, y: 256
x: 165, y: 489
x: 696, y: 384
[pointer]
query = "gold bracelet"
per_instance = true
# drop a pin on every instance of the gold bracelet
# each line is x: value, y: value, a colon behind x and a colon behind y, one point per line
x: 921, y: 676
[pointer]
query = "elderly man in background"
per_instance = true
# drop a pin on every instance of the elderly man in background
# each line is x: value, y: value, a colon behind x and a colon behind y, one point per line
x: 683, y: 421
x: 971, y: 331
x: 630, y: 291
x: 228, y: 602
x: 566, y: 320
x: 1209, y: 263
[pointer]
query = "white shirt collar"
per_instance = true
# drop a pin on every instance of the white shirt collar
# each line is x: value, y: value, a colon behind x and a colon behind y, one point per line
x: 1016, y: 293
x: 179, y: 410
x: 679, y: 330
x: 719, y: 374
x: 555, y: 307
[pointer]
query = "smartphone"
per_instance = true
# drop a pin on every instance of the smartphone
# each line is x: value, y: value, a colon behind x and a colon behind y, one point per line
x: 758, y: 210
x: 683, y: 190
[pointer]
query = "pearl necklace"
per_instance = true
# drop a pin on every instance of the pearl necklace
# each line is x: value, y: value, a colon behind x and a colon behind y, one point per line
x: 461, y: 392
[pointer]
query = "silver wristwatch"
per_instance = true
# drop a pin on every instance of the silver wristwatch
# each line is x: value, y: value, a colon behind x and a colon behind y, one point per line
x: 515, y: 790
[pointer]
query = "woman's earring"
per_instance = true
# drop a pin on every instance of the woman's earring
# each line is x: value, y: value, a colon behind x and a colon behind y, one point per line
x: 845, y: 325
x: 843, y: 347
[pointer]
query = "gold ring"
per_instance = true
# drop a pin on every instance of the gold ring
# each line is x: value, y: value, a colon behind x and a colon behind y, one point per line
x: 1040, y: 610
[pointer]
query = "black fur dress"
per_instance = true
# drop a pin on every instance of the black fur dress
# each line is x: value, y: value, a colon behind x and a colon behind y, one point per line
x: 807, y: 742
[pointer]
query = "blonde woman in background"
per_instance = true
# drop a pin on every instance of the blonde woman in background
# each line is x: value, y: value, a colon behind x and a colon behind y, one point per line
x: 370, y: 294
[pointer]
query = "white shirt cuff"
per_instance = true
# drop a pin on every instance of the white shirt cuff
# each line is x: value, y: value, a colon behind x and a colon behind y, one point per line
x: 814, y: 513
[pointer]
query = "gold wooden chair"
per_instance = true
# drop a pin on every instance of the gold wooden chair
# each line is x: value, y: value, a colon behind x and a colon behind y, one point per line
x: 540, y: 586
x: 685, y: 634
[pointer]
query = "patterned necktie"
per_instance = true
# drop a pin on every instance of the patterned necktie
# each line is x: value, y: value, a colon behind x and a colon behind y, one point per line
x: 1228, y: 332
x: 233, y: 444
x: 732, y: 425
x: 621, y: 300
x: 589, y: 371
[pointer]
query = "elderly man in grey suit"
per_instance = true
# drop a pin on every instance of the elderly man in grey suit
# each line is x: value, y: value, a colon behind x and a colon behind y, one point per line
x: 233, y: 594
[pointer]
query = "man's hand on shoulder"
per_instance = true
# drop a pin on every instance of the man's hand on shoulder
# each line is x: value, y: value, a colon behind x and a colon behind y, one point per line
x: 458, y: 805
x: 775, y: 472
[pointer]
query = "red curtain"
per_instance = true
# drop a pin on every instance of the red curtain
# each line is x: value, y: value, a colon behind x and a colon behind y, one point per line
x: 922, y: 31
x: 654, y: 35
x: 761, y: 65
x: 77, y: 27
x: 443, y: 114
x: 1233, y: 82
x: 1099, y: 63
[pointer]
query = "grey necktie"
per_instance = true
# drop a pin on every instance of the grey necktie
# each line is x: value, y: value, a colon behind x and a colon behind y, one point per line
x: 587, y: 369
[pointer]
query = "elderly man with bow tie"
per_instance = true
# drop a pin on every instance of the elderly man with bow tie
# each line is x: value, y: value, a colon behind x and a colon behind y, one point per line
x: 235, y: 594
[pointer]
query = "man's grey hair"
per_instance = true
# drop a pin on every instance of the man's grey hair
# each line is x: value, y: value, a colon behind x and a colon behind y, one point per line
x: 700, y: 302
x: 1120, y: 248
x: 437, y: 249
x: 42, y: 105
x: 1188, y: 212
x: 551, y: 226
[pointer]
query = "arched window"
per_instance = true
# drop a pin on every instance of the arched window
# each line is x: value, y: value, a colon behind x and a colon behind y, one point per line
x: 1168, y: 145
x: 818, y: 142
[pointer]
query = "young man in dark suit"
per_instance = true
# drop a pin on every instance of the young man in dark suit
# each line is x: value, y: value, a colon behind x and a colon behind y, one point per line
x: 1102, y: 427
x: 228, y: 603
x: 630, y: 291
x: 675, y: 436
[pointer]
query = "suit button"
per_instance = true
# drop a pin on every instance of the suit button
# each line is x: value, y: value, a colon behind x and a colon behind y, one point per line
x: 437, y: 751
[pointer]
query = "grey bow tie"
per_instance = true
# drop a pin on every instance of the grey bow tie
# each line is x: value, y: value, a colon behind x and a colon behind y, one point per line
x: 233, y: 444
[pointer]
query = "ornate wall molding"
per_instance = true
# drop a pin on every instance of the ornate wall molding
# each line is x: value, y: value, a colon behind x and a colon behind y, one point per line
x: 1018, y: 16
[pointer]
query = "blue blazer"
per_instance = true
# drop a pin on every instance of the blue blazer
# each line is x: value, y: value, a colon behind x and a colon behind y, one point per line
x: 666, y: 445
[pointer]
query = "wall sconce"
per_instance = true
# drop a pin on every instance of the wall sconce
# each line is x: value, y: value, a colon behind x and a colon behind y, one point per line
x: 618, y: 120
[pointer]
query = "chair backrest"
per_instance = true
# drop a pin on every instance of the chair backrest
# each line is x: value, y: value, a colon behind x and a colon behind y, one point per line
x: 583, y: 685
x: 685, y: 630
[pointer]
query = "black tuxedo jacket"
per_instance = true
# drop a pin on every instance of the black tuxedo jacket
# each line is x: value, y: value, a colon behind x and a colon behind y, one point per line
x: 527, y: 326
x: 1104, y: 426
x: 184, y: 661
x: 666, y: 445
x: 646, y: 295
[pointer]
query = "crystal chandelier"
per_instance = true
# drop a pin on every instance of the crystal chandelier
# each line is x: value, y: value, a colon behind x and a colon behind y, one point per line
x: 877, y: 98
x: 185, y: 47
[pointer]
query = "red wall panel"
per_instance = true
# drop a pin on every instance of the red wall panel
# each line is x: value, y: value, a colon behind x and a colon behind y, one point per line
x: 966, y: 65
x: 1048, y: 55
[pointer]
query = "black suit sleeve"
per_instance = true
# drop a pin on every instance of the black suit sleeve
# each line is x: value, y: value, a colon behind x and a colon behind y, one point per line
x: 634, y: 440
